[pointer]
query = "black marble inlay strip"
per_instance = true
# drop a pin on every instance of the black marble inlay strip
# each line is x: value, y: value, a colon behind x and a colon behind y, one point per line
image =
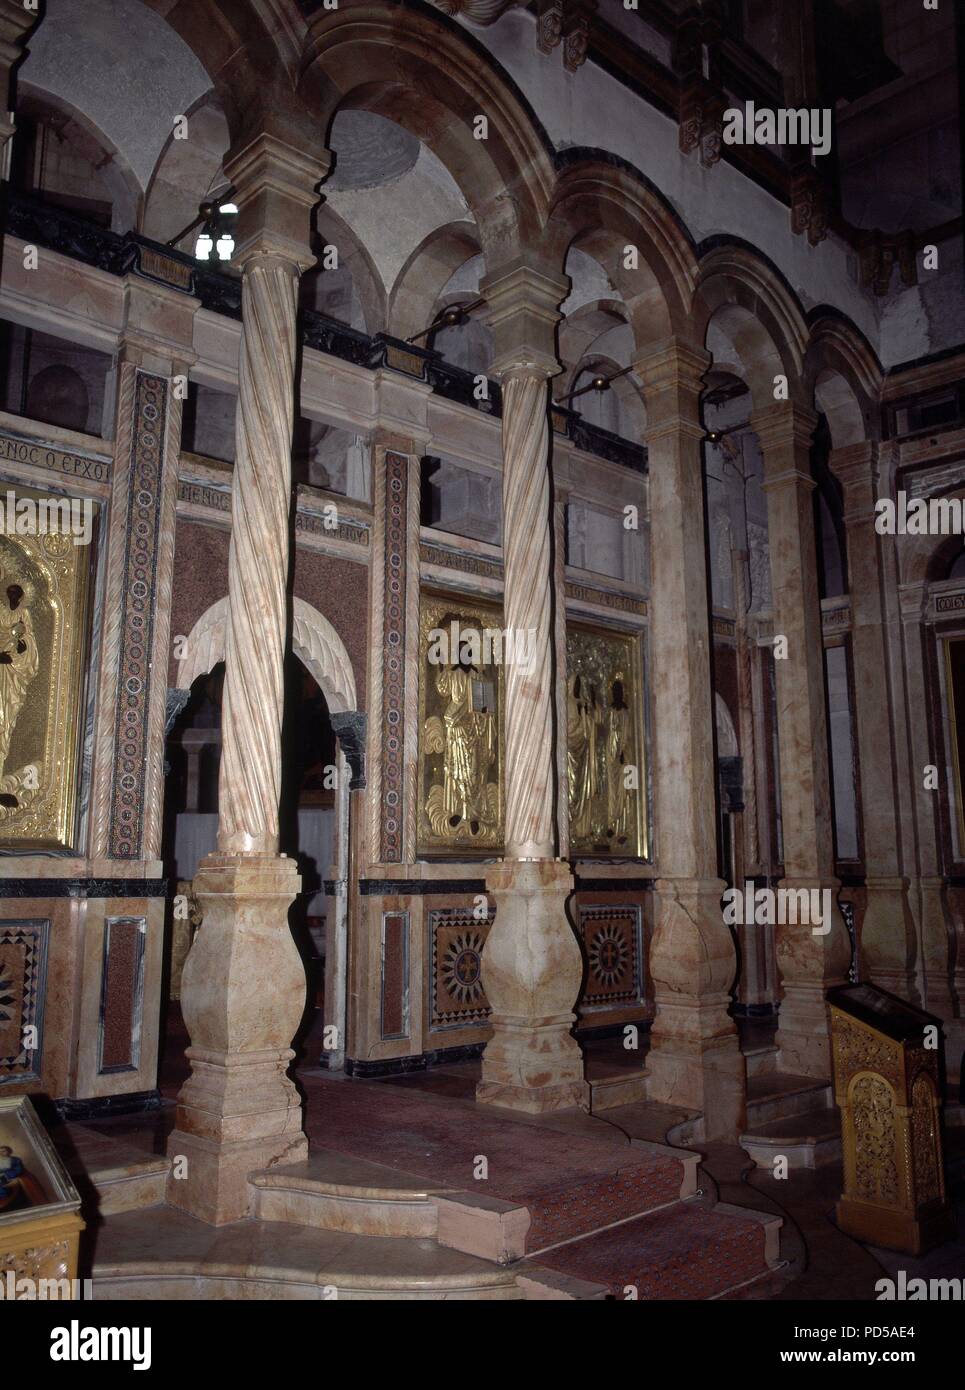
x: 83, y: 887
x: 419, y: 887
x: 614, y: 885
x: 399, y: 1066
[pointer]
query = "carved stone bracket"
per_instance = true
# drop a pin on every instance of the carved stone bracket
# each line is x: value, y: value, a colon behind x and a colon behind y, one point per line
x: 879, y: 256
x: 566, y: 23
x: 350, y: 731
x: 809, y: 207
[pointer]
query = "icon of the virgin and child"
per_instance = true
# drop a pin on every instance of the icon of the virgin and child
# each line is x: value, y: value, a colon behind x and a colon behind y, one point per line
x: 18, y: 1188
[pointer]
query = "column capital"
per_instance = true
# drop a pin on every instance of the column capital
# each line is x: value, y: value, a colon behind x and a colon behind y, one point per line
x: 784, y: 423
x: 672, y: 364
x: 276, y: 190
x: 158, y: 331
x: 856, y: 469
x: 672, y: 379
x: 785, y: 432
x: 911, y: 599
x: 522, y: 304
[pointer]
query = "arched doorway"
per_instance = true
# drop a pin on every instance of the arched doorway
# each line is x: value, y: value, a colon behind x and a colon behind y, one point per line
x: 322, y: 741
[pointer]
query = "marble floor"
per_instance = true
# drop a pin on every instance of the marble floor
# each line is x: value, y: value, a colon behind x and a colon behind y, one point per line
x: 426, y: 1125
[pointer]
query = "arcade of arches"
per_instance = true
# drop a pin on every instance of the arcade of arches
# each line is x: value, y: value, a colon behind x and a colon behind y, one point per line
x: 275, y: 827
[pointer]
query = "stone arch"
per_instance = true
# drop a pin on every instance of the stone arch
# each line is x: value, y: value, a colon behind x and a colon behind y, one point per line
x: 356, y: 272
x: 924, y: 559
x: 109, y: 163
x: 415, y: 297
x: 430, y: 76
x: 600, y: 207
x: 844, y: 377
x: 187, y: 171
x: 77, y: 54
x: 742, y: 298
x: 248, y: 48
x: 727, y: 745
x: 314, y: 641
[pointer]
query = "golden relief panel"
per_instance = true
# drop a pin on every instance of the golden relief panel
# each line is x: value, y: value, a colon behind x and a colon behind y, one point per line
x: 605, y: 766
x: 44, y: 595
x: 460, y: 772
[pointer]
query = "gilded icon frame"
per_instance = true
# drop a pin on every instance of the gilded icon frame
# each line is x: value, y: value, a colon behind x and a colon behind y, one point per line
x: 49, y: 712
x: 434, y: 795
x: 626, y: 656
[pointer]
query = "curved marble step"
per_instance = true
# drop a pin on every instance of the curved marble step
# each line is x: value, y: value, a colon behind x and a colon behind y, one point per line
x: 165, y: 1255
x: 334, y: 1192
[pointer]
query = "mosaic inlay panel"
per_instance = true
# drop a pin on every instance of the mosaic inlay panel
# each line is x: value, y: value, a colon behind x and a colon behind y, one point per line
x: 23, y: 978
x: 396, y: 484
x: 613, y: 945
x: 137, y: 618
x: 456, y: 940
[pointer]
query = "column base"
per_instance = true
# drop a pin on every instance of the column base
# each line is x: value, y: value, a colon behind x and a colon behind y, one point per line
x: 243, y: 991
x: 214, y: 1187
x: 532, y: 968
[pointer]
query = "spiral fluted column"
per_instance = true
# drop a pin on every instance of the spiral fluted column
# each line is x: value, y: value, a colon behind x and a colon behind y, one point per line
x: 528, y: 616
x: 250, y: 777
x: 243, y: 988
x: 532, y: 965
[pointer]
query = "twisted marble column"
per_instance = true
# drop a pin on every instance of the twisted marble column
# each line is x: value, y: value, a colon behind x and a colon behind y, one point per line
x: 528, y: 617
x: 532, y: 965
x: 243, y: 987
x: 250, y: 778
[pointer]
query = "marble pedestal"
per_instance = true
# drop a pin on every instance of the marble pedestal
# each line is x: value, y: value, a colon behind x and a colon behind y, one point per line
x: 242, y: 993
x: 811, y: 962
x: 532, y: 970
x: 695, y: 1059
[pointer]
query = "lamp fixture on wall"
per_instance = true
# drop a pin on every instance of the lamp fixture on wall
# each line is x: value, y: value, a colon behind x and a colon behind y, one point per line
x: 598, y: 383
x: 215, y: 218
x: 448, y: 318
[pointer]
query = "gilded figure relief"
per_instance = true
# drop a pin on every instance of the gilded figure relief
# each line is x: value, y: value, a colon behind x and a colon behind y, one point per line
x: 44, y: 581
x: 460, y: 745
x: 604, y: 744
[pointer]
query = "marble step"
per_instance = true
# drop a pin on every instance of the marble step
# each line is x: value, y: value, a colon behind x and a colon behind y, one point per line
x: 806, y: 1141
x: 761, y: 1060
x: 620, y: 1088
x: 781, y: 1095
x: 687, y: 1251
x: 163, y: 1255
x: 336, y: 1193
x: 113, y: 1175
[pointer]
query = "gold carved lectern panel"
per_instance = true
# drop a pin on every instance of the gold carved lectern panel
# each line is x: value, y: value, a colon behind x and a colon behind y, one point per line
x: 886, y: 1083
x: 44, y: 596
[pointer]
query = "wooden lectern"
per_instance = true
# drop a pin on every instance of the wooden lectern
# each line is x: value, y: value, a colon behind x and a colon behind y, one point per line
x: 886, y: 1084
